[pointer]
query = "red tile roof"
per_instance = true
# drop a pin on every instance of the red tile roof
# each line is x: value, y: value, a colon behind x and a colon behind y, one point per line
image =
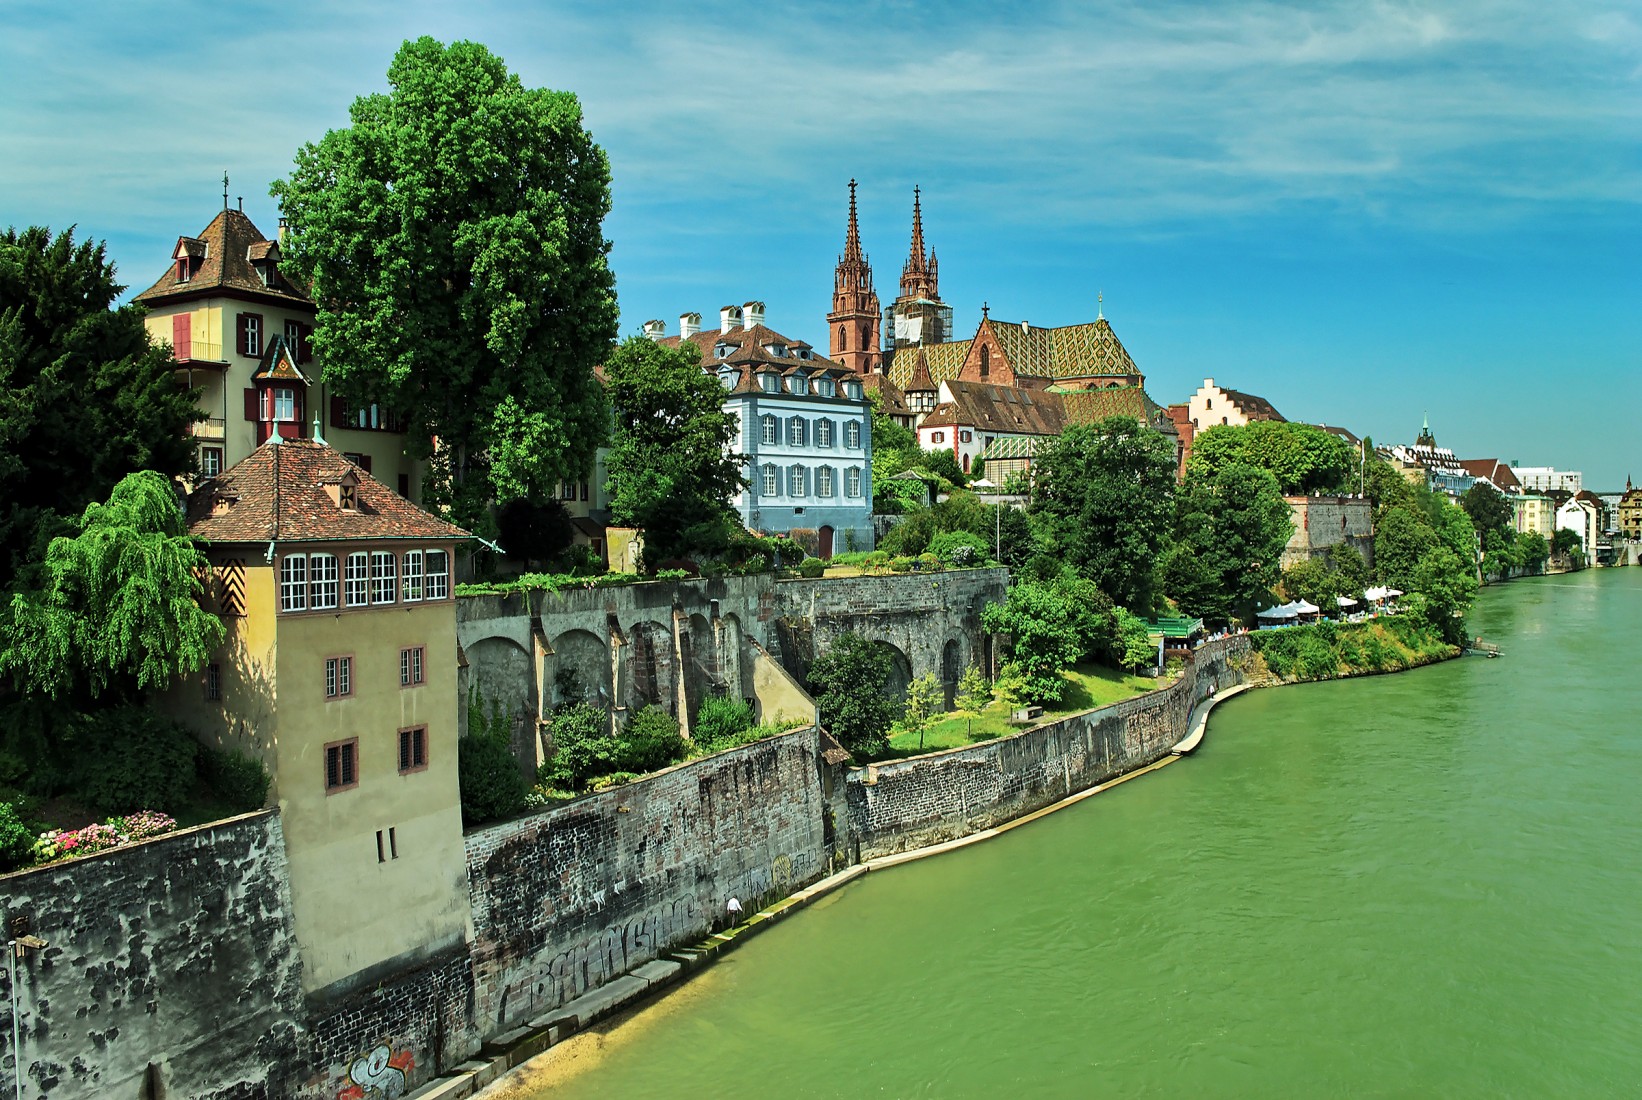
x: 225, y: 251
x: 278, y: 492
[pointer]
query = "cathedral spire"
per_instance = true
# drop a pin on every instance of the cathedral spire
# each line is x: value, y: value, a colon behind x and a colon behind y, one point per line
x: 918, y: 277
x: 853, y: 322
x: 852, y: 239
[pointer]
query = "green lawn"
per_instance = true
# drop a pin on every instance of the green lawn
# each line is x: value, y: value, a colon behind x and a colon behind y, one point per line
x: 1090, y: 686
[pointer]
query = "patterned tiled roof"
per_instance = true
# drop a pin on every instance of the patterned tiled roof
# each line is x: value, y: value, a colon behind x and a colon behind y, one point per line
x: 226, y: 249
x: 1071, y: 351
x: 1012, y: 446
x: 942, y: 361
x: 278, y: 492
x: 991, y: 408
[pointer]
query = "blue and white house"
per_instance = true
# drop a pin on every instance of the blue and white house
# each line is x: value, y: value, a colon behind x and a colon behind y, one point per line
x: 806, y: 429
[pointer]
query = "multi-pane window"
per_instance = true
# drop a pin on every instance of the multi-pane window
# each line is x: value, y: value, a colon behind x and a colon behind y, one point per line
x: 410, y: 580
x: 250, y: 334
x: 852, y: 434
x: 338, y: 677
x: 413, y: 749
x: 321, y: 581
x: 795, y: 432
x: 210, y: 461
x: 213, y: 682
x: 293, y: 339
x: 823, y: 481
x: 410, y: 666
x: 355, y: 587
x: 852, y: 481
x: 342, y: 765
x: 436, y: 581
x: 293, y: 583
x: 772, y: 482
x: 284, y: 404
x: 795, y: 481
x: 937, y: 437
x: 384, y: 577
x: 772, y: 431
x: 823, y: 433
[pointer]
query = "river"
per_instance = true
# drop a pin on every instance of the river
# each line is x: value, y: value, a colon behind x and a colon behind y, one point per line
x: 1427, y: 884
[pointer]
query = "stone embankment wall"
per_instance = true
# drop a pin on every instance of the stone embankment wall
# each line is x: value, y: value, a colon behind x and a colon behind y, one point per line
x: 570, y: 898
x: 895, y: 807
x: 170, y: 969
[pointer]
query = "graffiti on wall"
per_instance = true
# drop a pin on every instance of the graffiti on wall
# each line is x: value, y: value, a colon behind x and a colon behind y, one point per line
x: 380, y: 1075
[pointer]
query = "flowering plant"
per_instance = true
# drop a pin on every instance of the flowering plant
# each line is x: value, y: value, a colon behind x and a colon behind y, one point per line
x: 61, y: 844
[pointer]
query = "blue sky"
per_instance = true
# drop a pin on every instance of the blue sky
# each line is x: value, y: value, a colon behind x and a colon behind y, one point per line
x: 1361, y: 211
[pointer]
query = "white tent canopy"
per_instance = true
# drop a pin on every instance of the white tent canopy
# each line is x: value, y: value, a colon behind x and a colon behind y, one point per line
x: 1304, y: 607
x: 1377, y: 593
x: 1345, y: 601
x: 1281, y: 611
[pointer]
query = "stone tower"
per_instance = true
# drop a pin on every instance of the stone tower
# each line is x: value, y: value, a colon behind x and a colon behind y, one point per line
x: 918, y: 315
x: 853, y: 322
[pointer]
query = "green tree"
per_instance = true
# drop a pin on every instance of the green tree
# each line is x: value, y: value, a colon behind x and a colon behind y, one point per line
x: 85, y: 399
x: 1490, y: 512
x: 923, y: 704
x: 671, y: 470
x: 1134, y: 641
x: 1565, y: 540
x: 1231, y: 524
x: 974, y: 693
x: 1105, y: 495
x: 1533, y: 548
x: 118, y: 611
x: 1043, y: 640
x: 452, y: 236
x: 1303, y: 458
x: 848, y: 683
x: 1401, y: 538
x: 1445, y: 586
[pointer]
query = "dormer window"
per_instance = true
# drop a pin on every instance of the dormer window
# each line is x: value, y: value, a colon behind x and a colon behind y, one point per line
x: 770, y: 381
x: 779, y: 351
x: 728, y: 378
x: 185, y: 269
x: 722, y: 349
x: 798, y: 384
x: 824, y: 386
x: 344, y: 492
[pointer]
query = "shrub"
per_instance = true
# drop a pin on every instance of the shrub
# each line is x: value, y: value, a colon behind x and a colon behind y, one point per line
x: 614, y: 779
x: 582, y: 747
x: 974, y: 694
x: 721, y: 721
x: 958, y: 548
x: 130, y: 758
x: 903, y: 565
x: 650, y: 741
x: 787, y: 552
x: 239, y: 780
x: 811, y: 568
x: 491, y: 784
x: 16, y: 839
x: 876, y: 561
x: 929, y: 562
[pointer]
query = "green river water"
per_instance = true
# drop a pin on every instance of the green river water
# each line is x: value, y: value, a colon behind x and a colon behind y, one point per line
x: 1427, y: 884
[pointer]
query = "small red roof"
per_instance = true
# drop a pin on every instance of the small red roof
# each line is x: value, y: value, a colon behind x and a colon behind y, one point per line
x: 280, y: 492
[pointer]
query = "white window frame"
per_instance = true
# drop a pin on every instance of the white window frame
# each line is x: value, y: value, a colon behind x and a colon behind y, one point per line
x: 852, y: 434
x: 797, y: 480
x: 253, y: 335
x: 772, y: 480
x: 356, y: 584
x: 410, y: 577
x: 282, y: 404
x: 210, y: 461
x: 852, y: 481
x: 293, y: 582
x: 384, y: 577
x: 823, y: 481
x: 436, y: 575
x: 823, y: 433
x: 797, y: 431
x: 338, y: 677
x: 771, y: 429
x: 322, y: 582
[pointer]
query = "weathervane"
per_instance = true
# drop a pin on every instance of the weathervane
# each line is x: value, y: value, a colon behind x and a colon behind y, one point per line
x: 225, y: 190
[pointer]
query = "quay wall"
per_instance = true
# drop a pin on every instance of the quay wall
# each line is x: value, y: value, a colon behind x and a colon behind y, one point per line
x: 906, y: 804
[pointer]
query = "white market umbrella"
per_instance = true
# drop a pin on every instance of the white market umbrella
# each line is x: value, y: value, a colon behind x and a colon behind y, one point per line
x: 1345, y: 601
x: 1376, y: 594
x: 1393, y: 592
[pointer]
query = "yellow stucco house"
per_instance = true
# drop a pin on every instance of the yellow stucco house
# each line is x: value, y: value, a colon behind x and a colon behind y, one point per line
x: 338, y: 671
x: 241, y: 332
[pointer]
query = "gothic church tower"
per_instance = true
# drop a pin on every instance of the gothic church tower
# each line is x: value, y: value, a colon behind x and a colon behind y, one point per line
x: 918, y: 315
x: 853, y: 322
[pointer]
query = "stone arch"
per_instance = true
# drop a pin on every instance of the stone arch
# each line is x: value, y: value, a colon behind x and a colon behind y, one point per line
x: 651, y: 669
x: 584, y: 654
x: 501, y: 675
x: 900, y: 671
x: 737, y: 685
x: 951, y: 669
x: 699, y: 662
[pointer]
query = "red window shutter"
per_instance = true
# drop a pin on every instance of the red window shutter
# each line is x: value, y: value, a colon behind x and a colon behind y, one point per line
x: 253, y: 404
x: 240, y: 330
x: 306, y: 354
x: 298, y: 406
x: 182, y: 336
x: 339, y: 413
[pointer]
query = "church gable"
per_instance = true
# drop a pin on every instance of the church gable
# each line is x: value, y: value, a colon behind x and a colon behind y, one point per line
x: 987, y: 361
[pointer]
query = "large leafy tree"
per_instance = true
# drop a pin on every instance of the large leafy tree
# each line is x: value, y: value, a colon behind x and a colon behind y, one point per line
x: 452, y: 236
x: 1105, y: 494
x: 1490, y: 512
x: 672, y: 471
x: 1044, y: 639
x: 118, y: 613
x: 84, y: 398
x: 850, y: 683
x: 1303, y: 458
x: 1231, y: 524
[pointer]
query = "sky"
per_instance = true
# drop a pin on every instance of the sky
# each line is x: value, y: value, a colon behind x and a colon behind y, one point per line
x: 1366, y: 212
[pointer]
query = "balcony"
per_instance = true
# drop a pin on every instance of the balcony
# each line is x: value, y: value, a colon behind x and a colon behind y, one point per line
x: 199, y: 353
x: 212, y: 428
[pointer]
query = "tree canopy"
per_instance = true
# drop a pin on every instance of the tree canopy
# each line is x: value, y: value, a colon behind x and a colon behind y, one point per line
x: 1105, y: 494
x: 84, y: 397
x: 1231, y: 524
x: 119, y: 611
x: 671, y: 468
x: 452, y: 236
x: 1490, y: 512
x: 848, y: 683
x: 1304, y: 459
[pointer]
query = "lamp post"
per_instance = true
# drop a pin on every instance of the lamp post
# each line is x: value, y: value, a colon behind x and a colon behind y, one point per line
x: 18, y: 946
x: 997, y: 519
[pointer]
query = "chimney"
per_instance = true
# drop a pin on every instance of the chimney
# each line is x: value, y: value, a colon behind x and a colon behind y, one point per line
x: 752, y: 314
x: 284, y: 233
x: 655, y: 330
x: 729, y: 318
x: 688, y: 325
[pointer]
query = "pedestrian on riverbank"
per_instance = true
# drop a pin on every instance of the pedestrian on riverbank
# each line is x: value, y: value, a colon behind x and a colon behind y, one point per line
x: 733, y: 911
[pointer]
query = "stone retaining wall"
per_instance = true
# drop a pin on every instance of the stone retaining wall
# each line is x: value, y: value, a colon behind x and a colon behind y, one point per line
x: 906, y: 804
x: 574, y: 896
